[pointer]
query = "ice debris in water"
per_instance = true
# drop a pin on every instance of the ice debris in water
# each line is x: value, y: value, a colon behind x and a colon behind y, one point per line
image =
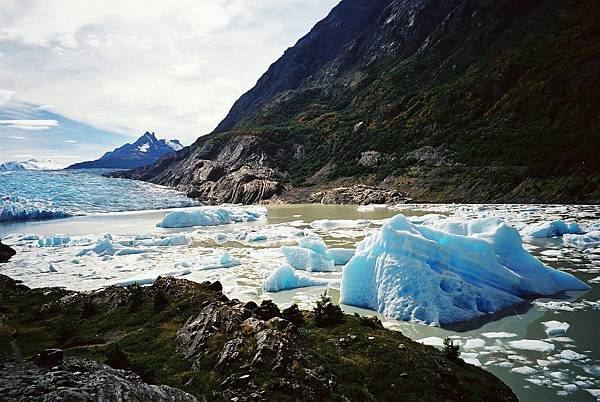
x: 533, y: 345
x: 495, y: 335
x: 54, y: 241
x: 439, y: 276
x: 371, y: 207
x: 212, y: 216
x: 285, y: 278
x: 555, y: 328
x: 584, y: 241
x: 551, y: 229
x: 310, y: 255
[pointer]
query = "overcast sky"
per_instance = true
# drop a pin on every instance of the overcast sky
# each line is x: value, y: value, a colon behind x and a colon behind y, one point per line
x: 82, y: 76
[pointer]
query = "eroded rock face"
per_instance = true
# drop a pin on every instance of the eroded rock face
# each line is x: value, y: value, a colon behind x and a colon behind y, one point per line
x: 78, y: 379
x: 6, y: 252
x: 251, y: 345
x: 359, y: 195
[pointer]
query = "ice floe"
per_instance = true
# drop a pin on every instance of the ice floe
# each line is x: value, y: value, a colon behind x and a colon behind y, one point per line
x: 309, y: 255
x: 212, y: 216
x: 551, y: 229
x: 555, y: 328
x: 533, y: 345
x: 285, y: 278
x: 460, y: 271
x: 583, y: 241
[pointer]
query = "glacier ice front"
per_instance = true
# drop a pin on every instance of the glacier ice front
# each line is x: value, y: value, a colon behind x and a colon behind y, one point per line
x: 455, y: 272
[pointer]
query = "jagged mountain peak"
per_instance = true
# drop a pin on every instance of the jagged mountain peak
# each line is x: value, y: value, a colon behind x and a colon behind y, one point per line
x: 146, y: 150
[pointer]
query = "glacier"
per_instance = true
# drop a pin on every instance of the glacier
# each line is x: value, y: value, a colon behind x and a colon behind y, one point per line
x: 453, y: 272
x: 212, y: 216
x: 286, y: 278
x: 32, y: 195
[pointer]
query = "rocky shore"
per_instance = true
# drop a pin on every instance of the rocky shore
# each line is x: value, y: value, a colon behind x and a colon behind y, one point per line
x: 6, y: 252
x: 184, y: 341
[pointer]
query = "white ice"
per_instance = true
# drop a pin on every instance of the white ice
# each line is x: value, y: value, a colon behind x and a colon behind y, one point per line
x: 285, y: 278
x: 212, y: 216
x: 551, y: 229
x: 555, y: 328
x: 533, y: 345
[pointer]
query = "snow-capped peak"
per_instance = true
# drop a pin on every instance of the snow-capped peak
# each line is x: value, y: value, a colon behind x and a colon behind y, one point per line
x: 174, y: 144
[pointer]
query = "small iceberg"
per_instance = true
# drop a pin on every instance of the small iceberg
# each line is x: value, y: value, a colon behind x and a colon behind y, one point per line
x: 547, y: 229
x: 584, y: 241
x: 212, y: 216
x: 286, y: 278
x: 468, y: 269
x: 311, y: 255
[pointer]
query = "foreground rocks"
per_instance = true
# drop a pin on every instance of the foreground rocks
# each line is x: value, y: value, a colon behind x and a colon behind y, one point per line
x: 6, y: 252
x: 358, y: 195
x: 179, y: 340
x: 77, y: 379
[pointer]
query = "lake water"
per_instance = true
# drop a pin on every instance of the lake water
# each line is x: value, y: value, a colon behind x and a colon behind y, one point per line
x: 534, y: 376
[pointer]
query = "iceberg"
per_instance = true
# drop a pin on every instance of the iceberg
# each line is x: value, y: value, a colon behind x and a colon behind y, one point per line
x: 555, y: 328
x: 584, y: 241
x: 551, y: 229
x: 340, y: 256
x: 452, y: 273
x: 285, y: 278
x: 310, y: 255
x: 212, y: 216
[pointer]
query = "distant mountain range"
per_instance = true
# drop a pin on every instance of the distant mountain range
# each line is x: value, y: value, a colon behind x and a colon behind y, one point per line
x: 442, y: 100
x: 31, y: 164
x: 145, y: 151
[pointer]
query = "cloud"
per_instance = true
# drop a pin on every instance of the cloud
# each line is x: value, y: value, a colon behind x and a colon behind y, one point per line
x: 174, y: 67
x: 6, y: 96
x: 16, y: 137
x: 71, y: 141
x: 32, y: 125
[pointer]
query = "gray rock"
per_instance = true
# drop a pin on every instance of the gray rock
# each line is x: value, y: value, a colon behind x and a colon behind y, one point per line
x: 77, y: 379
x: 6, y: 252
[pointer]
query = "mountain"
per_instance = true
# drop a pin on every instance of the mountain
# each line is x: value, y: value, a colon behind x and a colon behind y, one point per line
x: 31, y: 164
x: 146, y: 150
x: 442, y: 100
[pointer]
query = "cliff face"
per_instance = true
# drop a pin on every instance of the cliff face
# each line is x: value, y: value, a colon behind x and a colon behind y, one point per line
x: 450, y: 100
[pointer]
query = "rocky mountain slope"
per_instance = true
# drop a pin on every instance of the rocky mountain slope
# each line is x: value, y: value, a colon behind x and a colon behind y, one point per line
x: 443, y: 100
x: 182, y: 341
x: 145, y: 151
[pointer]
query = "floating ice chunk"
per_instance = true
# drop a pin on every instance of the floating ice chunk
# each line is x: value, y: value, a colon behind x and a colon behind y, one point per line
x: 555, y: 328
x: 584, y: 241
x: 339, y: 223
x: 52, y: 267
x: 524, y: 370
x: 371, y: 207
x: 432, y: 341
x: 28, y: 237
x: 493, y: 335
x: 551, y: 229
x: 559, y: 375
x: 425, y: 219
x: 505, y: 364
x: 212, y: 216
x: 570, y: 388
x: 533, y: 345
x: 285, y: 278
x: 54, y: 241
x: 474, y: 343
x: 473, y: 268
x: 568, y: 354
x: 340, y: 256
x: 593, y: 370
x: 169, y: 241
x: 594, y: 392
x: 226, y: 260
x: 307, y: 260
x: 313, y: 242
x: 471, y: 358
x: 148, y: 278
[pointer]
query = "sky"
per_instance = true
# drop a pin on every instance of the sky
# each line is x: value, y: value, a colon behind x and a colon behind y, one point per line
x: 81, y: 77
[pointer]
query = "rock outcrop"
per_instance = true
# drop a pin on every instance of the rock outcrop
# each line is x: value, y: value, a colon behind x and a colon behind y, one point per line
x: 358, y: 195
x: 6, y: 252
x: 77, y: 379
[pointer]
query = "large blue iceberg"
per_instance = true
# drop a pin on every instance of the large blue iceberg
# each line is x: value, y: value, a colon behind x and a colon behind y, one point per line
x: 455, y: 272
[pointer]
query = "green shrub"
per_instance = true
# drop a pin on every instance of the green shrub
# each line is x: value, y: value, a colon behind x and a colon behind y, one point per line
x: 160, y: 300
x: 451, y: 350
x: 326, y: 313
x: 293, y: 315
